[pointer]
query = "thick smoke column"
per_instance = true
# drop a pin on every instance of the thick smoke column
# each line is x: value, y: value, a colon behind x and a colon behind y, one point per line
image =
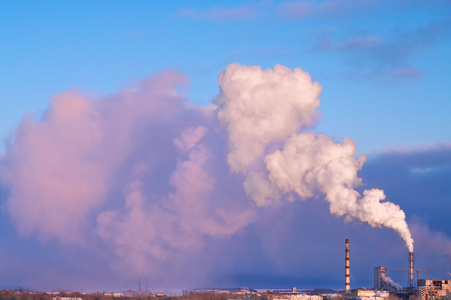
x: 264, y: 109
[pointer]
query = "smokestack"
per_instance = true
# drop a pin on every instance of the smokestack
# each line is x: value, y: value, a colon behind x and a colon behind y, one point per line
x: 347, y: 279
x: 411, y: 269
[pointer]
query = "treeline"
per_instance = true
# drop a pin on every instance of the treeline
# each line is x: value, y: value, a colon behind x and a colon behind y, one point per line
x: 25, y: 295
x: 22, y: 295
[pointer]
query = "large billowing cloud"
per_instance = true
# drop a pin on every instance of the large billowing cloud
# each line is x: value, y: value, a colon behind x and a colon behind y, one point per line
x: 139, y: 170
x: 57, y: 169
x: 154, y: 181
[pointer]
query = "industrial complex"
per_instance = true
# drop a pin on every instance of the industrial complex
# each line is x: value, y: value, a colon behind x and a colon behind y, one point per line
x: 384, y: 286
x: 384, y: 289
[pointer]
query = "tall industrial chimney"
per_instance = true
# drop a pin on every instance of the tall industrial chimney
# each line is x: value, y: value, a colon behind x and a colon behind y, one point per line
x: 411, y: 270
x: 347, y: 279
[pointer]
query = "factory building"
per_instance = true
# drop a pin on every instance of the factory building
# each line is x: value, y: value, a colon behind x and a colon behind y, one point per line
x: 433, y: 289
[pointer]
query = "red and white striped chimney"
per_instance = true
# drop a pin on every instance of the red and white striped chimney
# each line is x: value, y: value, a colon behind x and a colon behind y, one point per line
x: 347, y: 279
x: 411, y: 270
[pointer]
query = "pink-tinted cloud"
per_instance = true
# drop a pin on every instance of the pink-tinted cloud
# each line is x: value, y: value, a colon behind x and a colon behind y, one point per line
x: 57, y: 170
x: 132, y: 170
x: 60, y: 168
x: 178, y: 222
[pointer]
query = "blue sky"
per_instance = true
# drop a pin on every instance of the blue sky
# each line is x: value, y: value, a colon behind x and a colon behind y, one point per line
x: 384, y: 66
x: 385, y: 72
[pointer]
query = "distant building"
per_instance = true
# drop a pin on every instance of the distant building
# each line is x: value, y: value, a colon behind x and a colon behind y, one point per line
x: 114, y: 294
x: 433, y: 289
x: 368, y: 294
x: 297, y: 297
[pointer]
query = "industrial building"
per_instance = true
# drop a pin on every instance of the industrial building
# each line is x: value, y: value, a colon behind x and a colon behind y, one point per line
x: 434, y: 289
x: 382, y: 281
x: 379, y: 272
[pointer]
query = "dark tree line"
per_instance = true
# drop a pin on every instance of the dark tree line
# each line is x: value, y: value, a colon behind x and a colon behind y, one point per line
x: 25, y: 295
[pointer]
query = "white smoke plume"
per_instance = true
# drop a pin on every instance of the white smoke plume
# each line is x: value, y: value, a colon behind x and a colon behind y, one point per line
x: 390, y: 281
x: 260, y: 108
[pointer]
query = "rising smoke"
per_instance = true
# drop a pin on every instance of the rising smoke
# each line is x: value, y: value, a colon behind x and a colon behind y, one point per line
x: 147, y: 174
x: 390, y: 281
x: 265, y: 109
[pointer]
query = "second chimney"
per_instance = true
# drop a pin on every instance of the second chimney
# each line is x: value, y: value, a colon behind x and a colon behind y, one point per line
x: 347, y: 279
